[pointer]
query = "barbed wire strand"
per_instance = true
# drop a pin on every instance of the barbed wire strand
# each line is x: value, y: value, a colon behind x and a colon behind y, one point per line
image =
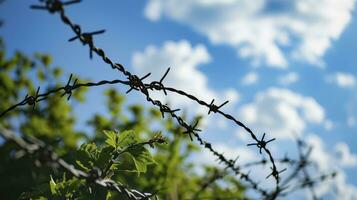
x: 299, y: 165
x: 37, y: 146
x: 136, y: 83
x: 54, y: 6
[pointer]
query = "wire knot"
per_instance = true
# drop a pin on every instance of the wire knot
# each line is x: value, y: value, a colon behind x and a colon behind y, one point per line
x: 136, y: 83
x: 46, y: 155
x: 87, y: 38
x: 165, y: 109
x: 68, y: 88
x: 53, y: 5
x: 261, y: 144
x: 191, y: 129
x: 275, y: 173
x: 32, y: 100
x: 94, y: 174
x: 214, y: 108
x: 158, y: 84
x: 307, y: 182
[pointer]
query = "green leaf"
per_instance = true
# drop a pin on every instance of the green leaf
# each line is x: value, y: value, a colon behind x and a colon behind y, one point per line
x: 109, y: 196
x: 141, y: 158
x: 81, y: 165
x: 91, y: 150
x: 112, y: 138
x: 53, y: 187
x: 46, y: 60
x: 41, y: 75
x: 121, y: 140
x: 57, y: 72
x: 104, y: 157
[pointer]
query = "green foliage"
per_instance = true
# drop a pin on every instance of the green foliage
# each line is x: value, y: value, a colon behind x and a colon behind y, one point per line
x: 123, y: 146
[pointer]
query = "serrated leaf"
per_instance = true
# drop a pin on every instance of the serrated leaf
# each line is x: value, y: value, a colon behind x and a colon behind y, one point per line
x: 121, y: 140
x: 141, y: 158
x: 127, y: 138
x: 112, y: 138
x: 91, y: 150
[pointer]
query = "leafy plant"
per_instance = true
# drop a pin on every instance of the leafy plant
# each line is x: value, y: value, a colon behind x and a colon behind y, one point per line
x: 132, y: 145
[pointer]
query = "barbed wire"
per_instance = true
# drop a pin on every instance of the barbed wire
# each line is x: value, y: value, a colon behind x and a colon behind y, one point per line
x: 47, y: 155
x: 137, y: 84
x: 86, y: 38
x: 299, y: 165
x: 67, y: 89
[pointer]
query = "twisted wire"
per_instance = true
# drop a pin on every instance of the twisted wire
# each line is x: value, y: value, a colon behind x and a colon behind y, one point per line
x: 137, y: 84
x: 46, y: 152
x: 86, y: 38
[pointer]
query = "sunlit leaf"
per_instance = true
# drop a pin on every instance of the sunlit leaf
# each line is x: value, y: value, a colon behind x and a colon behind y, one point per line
x: 53, y: 186
x: 141, y: 158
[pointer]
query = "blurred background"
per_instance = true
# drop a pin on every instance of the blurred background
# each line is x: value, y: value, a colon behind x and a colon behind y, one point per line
x: 288, y: 68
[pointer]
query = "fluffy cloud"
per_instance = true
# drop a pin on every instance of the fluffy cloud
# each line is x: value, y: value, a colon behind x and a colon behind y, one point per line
x: 231, y: 152
x: 330, y: 161
x: 250, y: 78
x: 326, y: 160
x: 346, y: 159
x: 281, y: 113
x: 288, y: 79
x: 244, y: 155
x: 343, y: 80
x: 184, y: 59
x: 260, y: 29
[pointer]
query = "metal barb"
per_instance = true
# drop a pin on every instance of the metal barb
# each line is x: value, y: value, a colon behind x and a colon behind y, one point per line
x: 68, y: 88
x: 214, y: 108
x: 261, y: 144
x: 87, y: 38
x: 136, y: 83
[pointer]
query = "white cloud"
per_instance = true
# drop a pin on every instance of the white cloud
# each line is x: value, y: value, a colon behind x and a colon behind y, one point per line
x: 260, y: 29
x: 344, y: 190
x: 184, y: 59
x: 250, y: 78
x: 343, y: 80
x: 346, y: 159
x: 340, y: 154
x: 333, y: 161
x: 319, y: 154
x: 329, y: 125
x: 288, y: 79
x: 281, y: 113
x: 245, y: 154
x: 326, y: 160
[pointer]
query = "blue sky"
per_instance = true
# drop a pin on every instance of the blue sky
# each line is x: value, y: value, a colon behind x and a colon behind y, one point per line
x: 286, y: 67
